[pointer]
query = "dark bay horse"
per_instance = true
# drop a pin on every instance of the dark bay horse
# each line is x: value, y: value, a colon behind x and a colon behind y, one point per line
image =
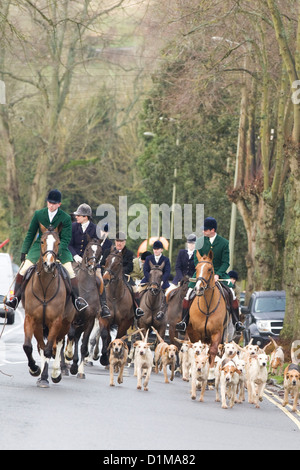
x: 208, y: 310
x: 174, y: 312
x: 48, y: 309
x: 84, y: 323
x: 120, y: 303
x: 151, y: 301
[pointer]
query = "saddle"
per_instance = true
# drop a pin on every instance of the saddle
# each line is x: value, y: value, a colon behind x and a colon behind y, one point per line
x: 226, y: 293
x: 61, y: 271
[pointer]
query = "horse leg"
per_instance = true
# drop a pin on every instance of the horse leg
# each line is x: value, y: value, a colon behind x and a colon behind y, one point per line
x: 105, y: 336
x: 84, y: 350
x: 34, y: 369
x: 56, y: 370
x: 43, y: 380
x: 213, y: 350
x: 63, y: 365
x: 74, y: 366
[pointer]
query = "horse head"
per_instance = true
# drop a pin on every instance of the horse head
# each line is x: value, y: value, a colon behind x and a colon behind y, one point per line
x: 156, y: 272
x: 92, y: 254
x: 204, y: 273
x: 49, y: 242
x: 113, y: 269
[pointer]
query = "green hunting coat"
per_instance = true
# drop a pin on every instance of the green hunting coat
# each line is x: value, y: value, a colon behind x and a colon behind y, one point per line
x: 31, y: 244
x: 220, y: 249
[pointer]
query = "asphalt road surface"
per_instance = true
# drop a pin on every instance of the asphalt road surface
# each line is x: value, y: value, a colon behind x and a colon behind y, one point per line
x: 89, y: 414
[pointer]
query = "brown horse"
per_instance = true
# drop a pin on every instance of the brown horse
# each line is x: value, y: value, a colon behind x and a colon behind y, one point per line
x: 208, y: 309
x: 174, y: 312
x: 151, y: 301
x: 120, y: 303
x: 48, y: 309
x: 88, y: 289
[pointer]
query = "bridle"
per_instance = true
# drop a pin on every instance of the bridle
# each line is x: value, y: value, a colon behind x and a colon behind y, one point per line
x: 155, y: 287
x: 206, y: 282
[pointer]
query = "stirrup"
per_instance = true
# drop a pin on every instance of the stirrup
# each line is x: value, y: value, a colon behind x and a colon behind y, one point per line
x: 139, y: 312
x: 105, y: 313
x: 160, y: 315
x: 181, y: 327
x: 80, y: 304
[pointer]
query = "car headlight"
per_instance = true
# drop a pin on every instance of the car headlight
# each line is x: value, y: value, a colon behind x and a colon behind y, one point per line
x: 263, y: 326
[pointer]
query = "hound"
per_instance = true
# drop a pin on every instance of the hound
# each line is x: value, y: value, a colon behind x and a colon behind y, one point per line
x: 229, y: 378
x: 143, y: 361
x: 165, y: 355
x: 117, y: 359
x: 199, y: 373
x: 184, y: 358
x: 257, y: 375
x: 276, y: 359
x: 291, y: 384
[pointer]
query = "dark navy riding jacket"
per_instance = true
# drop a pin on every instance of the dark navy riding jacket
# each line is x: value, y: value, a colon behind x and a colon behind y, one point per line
x: 79, y: 238
x: 166, y: 270
x: 184, y: 266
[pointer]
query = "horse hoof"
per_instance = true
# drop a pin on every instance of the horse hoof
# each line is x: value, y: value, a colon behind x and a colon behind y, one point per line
x: 68, y: 358
x: 81, y: 376
x: 96, y: 358
x: 35, y: 373
x: 56, y: 380
x: 74, y: 369
x: 104, y: 360
x: 43, y: 383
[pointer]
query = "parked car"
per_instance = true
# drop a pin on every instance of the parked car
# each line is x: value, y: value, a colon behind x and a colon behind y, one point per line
x: 6, y: 286
x: 264, y: 316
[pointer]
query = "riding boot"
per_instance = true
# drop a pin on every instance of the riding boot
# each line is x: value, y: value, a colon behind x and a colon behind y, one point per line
x: 234, y: 310
x: 182, y: 326
x: 14, y: 302
x: 105, y: 312
x: 79, y: 302
x: 163, y: 308
x: 138, y: 311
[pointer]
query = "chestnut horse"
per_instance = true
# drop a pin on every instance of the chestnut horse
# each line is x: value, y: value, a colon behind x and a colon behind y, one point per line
x: 48, y: 309
x: 151, y: 301
x: 89, y: 289
x: 120, y: 303
x: 208, y: 312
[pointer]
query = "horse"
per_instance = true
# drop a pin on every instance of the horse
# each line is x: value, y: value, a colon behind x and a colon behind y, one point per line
x: 151, y: 300
x: 88, y: 285
x: 49, y: 310
x: 208, y: 311
x: 174, y: 311
x: 120, y: 303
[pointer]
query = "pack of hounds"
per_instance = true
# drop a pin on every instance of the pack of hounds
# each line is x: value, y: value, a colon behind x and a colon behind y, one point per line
x: 235, y: 368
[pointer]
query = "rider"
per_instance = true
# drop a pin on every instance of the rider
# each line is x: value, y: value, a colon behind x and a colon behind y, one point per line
x: 185, y: 264
x: 127, y: 257
x: 81, y: 229
x: 220, y: 248
x: 51, y: 215
x: 157, y: 259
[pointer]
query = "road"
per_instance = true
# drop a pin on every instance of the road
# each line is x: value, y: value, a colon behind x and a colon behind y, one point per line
x: 89, y: 414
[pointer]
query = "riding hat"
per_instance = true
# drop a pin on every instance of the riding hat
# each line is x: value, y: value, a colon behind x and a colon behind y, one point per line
x: 120, y: 236
x: 84, y: 209
x: 233, y: 274
x: 191, y: 238
x: 210, y: 223
x: 157, y: 244
x: 54, y: 196
x: 144, y: 255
